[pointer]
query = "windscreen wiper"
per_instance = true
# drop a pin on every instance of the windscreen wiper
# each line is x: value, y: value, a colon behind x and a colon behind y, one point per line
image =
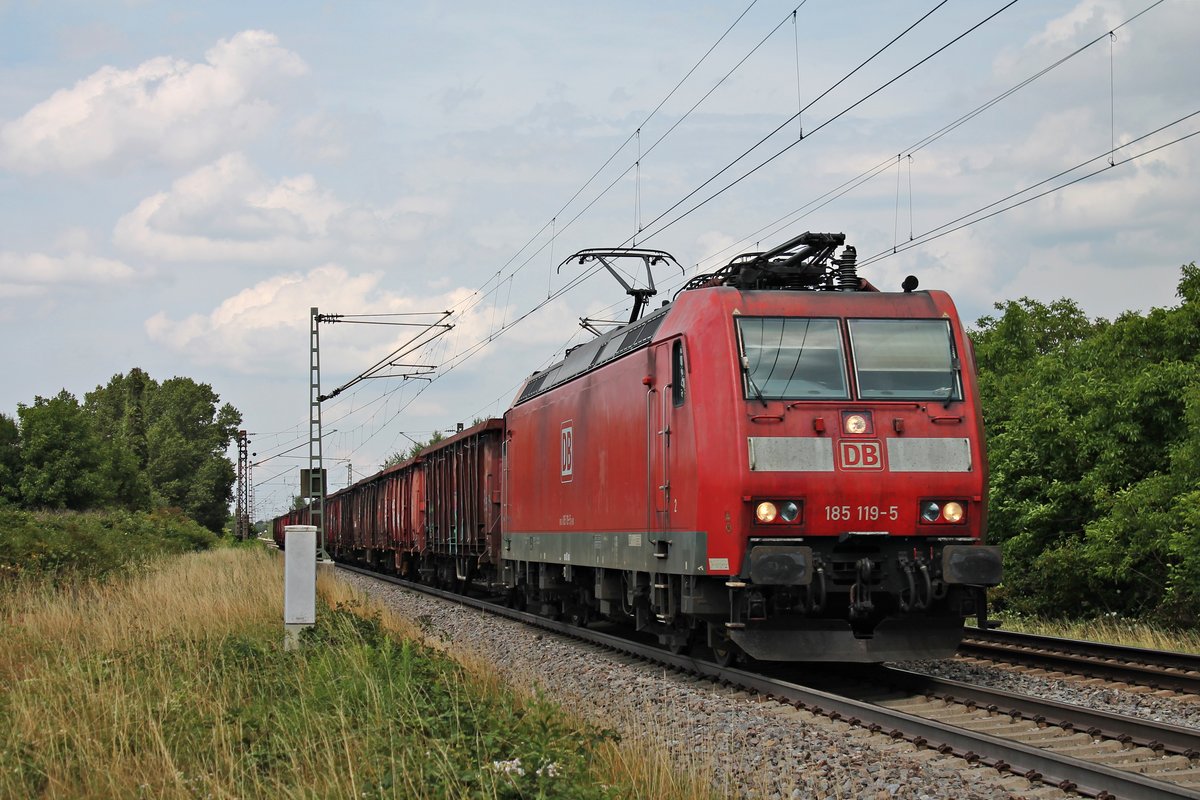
x: 750, y: 380
x: 955, y: 379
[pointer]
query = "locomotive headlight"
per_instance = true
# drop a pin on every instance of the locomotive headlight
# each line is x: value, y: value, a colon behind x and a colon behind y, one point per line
x: 788, y: 511
x: 952, y: 512
x: 766, y: 512
x: 856, y: 423
x: 930, y: 511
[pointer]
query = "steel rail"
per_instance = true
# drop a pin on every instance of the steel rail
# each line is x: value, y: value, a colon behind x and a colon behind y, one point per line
x: 1155, y: 668
x: 1066, y: 772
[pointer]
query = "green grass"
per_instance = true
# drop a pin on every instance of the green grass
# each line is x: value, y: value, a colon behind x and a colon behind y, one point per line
x: 172, y: 682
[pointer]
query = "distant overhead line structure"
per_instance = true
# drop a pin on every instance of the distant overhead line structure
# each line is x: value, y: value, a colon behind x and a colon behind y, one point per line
x: 313, y: 478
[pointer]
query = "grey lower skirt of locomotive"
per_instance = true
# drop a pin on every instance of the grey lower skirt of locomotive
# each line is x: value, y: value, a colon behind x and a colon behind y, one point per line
x: 857, y: 599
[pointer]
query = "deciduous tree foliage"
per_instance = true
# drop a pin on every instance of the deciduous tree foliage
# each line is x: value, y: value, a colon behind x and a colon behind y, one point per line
x: 187, y: 435
x: 1094, y: 444
x: 62, y: 458
x: 134, y: 443
x: 401, y: 456
x: 10, y: 461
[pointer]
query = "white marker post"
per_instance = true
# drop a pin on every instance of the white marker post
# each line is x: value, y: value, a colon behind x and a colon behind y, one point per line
x: 299, y: 582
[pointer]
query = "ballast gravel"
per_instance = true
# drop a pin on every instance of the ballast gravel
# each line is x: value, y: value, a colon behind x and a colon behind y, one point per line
x: 753, y: 748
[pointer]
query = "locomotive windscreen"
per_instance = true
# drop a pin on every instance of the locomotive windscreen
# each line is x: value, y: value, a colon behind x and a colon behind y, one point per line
x: 796, y: 358
x: 904, y: 359
x: 792, y: 358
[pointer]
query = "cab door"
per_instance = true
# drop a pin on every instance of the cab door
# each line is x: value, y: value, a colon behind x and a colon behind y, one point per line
x: 658, y: 408
x: 664, y: 408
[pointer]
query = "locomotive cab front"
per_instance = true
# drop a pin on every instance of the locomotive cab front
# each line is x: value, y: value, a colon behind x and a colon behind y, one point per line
x: 856, y: 475
x: 782, y: 462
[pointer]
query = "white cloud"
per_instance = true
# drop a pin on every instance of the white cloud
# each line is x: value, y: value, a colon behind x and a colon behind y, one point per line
x: 31, y: 274
x: 1087, y: 16
x: 166, y: 109
x: 265, y: 326
x: 229, y: 211
x: 322, y: 136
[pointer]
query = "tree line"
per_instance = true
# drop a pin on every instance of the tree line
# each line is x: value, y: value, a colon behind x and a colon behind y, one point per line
x: 1094, y: 448
x: 134, y: 444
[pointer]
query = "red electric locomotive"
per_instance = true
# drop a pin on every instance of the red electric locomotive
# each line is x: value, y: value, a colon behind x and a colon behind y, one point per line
x: 783, y: 462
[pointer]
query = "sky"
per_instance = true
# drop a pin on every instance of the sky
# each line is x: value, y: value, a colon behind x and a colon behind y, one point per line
x: 180, y: 183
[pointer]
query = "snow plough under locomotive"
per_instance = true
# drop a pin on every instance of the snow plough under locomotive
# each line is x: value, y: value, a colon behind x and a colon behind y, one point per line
x: 782, y: 462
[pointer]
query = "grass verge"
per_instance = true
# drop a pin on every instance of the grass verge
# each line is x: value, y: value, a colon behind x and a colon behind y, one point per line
x: 1130, y: 633
x: 172, y: 683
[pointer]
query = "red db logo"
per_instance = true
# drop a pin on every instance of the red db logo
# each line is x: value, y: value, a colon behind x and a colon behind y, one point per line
x: 861, y: 455
x: 567, y: 443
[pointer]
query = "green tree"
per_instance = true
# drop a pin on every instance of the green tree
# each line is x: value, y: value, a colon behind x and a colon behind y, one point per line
x: 120, y: 411
x: 1091, y: 434
x: 10, y: 461
x: 187, y: 435
x: 61, y: 455
x: 415, y: 450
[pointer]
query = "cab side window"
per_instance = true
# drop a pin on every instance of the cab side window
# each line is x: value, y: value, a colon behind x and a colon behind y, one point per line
x: 678, y: 374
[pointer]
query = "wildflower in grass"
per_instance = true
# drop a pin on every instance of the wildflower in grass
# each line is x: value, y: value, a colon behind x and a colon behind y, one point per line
x: 509, y: 767
x: 548, y: 770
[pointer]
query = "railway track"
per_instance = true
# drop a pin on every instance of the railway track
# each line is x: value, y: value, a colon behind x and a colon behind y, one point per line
x: 1074, y: 749
x: 1177, y: 672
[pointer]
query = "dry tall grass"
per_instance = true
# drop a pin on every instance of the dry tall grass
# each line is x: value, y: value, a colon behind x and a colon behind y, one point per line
x: 173, y: 684
x: 1112, y: 631
x: 94, y: 671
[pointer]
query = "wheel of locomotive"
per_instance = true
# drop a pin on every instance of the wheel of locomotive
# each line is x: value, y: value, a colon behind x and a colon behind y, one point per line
x: 725, y: 652
x: 682, y: 640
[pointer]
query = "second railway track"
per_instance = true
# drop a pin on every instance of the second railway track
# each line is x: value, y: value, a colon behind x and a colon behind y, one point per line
x: 1178, y: 672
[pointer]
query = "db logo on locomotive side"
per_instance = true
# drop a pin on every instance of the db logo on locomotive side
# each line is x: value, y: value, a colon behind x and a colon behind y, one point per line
x: 861, y: 455
x: 567, y: 443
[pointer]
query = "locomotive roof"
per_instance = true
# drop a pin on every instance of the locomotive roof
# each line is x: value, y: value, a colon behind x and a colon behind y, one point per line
x: 806, y: 263
x: 602, y: 349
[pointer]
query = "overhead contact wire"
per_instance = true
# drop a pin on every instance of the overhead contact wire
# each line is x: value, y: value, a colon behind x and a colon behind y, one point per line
x: 870, y: 173
x: 827, y: 122
x: 945, y: 228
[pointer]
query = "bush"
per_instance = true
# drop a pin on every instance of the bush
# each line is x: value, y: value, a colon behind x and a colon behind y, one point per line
x: 94, y: 544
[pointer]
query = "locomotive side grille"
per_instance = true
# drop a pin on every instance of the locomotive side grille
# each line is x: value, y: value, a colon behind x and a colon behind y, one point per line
x: 640, y: 334
x: 634, y: 337
x: 533, y: 387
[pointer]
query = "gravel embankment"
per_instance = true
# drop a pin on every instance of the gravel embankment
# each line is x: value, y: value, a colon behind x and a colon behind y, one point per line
x: 752, y: 748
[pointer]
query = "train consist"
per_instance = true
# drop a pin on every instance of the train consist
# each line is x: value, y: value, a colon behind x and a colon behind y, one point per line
x: 783, y: 462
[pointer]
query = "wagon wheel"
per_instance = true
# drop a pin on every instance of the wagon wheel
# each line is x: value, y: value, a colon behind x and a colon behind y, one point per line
x: 576, y: 615
x: 462, y: 585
